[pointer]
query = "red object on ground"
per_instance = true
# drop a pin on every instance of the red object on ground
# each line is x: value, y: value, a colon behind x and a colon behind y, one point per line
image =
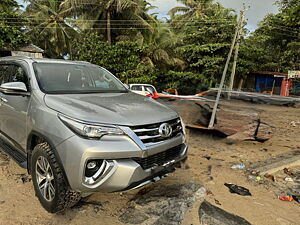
x: 288, y: 198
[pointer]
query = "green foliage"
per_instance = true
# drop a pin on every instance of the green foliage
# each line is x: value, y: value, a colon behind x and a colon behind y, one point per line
x: 184, y: 82
x: 49, y: 28
x: 278, y: 39
x: 188, y: 52
x: 206, y: 36
x: 124, y: 59
x: 11, y: 35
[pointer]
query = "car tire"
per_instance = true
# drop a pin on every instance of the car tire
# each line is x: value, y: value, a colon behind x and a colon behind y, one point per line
x: 49, y: 181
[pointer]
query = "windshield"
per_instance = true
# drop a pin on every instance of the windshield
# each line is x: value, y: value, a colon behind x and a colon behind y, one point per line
x: 72, y: 78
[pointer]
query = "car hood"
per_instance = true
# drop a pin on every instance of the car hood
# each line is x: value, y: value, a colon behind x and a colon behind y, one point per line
x: 127, y: 109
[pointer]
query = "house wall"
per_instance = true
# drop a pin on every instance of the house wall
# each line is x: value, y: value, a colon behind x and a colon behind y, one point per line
x: 29, y: 54
x: 265, y: 83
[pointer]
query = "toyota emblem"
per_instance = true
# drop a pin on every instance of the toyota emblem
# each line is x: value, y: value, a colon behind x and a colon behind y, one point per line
x: 165, y: 130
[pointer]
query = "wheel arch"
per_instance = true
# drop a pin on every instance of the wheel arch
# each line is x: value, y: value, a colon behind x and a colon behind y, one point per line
x: 35, y: 138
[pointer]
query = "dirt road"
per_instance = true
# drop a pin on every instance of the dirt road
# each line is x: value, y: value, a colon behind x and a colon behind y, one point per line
x: 210, y: 159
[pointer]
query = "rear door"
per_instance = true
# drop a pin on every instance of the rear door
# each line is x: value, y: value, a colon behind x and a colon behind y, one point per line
x: 14, y: 108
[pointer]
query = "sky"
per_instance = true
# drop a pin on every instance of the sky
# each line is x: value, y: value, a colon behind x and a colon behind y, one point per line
x: 258, y: 8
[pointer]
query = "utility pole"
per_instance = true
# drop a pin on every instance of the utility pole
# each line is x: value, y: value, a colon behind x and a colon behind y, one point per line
x: 213, y: 116
x: 237, y: 47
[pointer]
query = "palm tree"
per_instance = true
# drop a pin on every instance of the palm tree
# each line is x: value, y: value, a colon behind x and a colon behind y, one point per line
x: 110, y: 15
x: 192, y: 9
x: 49, y: 28
x: 159, y: 47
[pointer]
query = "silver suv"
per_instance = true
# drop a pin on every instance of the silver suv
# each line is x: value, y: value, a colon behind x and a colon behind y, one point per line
x: 78, y: 130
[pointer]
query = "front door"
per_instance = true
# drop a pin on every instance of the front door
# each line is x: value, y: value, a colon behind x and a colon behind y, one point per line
x: 14, y: 108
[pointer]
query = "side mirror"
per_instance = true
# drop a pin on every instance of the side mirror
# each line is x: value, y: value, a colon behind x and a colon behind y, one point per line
x: 127, y: 86
x: 13, y: 86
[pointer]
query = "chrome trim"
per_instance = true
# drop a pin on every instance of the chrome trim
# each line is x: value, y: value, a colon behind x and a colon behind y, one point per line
x: 105, y: 168
x: 149, y: 137
x: 151, y: 144
x: 175, y: 126
x: 145, y: 130
x: 134, y: 137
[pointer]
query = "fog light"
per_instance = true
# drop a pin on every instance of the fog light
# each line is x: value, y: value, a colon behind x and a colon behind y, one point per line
x: 91, y: 165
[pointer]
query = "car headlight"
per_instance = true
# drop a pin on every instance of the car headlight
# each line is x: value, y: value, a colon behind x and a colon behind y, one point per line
x: 90, y: 130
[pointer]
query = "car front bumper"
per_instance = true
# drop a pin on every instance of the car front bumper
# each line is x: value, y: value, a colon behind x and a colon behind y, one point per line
x: 121, y: 172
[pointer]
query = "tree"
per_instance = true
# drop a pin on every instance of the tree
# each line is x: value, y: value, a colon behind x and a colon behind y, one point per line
x: 124, y: 58
x: 113, y: 18
x: 279, y: 38
x: 192, y: 9
x: 205, y: 41
x: 49, y: 27
x: 11, y: 34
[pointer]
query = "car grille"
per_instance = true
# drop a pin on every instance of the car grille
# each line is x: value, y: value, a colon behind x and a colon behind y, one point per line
x: 159, y: 158
x: 149, y: 133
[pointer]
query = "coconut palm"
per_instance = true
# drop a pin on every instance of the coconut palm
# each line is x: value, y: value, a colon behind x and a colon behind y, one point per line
x: 191, y: 9
x: 49, y: 28
x: 111, y: 17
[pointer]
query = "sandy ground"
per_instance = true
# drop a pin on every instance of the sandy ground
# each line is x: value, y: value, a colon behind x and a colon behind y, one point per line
x: 210, y: 159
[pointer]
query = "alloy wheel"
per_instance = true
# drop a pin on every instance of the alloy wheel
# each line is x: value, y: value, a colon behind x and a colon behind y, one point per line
x: 45, y: 178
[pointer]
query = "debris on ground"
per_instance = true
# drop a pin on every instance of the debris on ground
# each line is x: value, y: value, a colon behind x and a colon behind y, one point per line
x: 2, y: 202
x: 294, y: 123
x: 212, y: 215
x: 238, y: 189
x: 217, y: 202
x: 24, y: 178
x: 289, y: 172
x: 207, y: 157
x: 238, y: 166
x: 270, y: 177
x: 289, y: 179
x: 290, y: 198
x: 256, y: 178
x: 163, y: 205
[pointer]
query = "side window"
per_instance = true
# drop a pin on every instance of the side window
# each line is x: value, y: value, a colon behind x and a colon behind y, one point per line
x: 4, y: 74
x: 17, y: 74
x: 137, y: 88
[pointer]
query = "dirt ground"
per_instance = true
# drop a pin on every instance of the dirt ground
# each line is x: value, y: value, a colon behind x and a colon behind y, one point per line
x: 210, y: 159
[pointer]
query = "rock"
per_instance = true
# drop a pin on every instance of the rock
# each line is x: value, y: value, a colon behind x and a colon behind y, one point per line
x: 133, y: 216
x: 212, y: 215
x: 163, y: 205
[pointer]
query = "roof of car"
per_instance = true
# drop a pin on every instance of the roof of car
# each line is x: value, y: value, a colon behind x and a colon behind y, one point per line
x: 42, y: 60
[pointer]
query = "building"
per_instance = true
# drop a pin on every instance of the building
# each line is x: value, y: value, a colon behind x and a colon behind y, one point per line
x: 29, y: 50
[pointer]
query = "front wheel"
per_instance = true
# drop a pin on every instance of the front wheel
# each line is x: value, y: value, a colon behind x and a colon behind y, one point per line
x: 49, y: 182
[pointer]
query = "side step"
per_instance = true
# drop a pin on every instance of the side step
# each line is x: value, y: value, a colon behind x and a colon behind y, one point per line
x: 14, y: 154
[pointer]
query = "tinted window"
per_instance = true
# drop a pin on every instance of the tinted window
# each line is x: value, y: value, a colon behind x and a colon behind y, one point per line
x: 73, y: 78
x: 4, y: 74
x: 136, y: 88
x: 17, y: 74
x: 12, y: 73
